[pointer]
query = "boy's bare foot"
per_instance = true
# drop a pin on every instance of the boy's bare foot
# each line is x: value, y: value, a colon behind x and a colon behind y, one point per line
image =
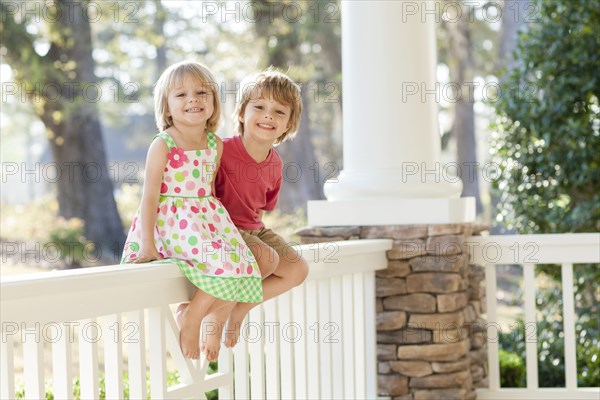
x: 211, y: 338
x: 234, y: 325
x: 189, y: 333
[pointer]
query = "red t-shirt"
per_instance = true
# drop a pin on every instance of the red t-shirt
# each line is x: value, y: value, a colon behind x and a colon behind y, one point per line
x: 244, y: 186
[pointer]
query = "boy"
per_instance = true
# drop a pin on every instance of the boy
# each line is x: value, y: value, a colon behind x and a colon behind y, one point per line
x: 248, y: 182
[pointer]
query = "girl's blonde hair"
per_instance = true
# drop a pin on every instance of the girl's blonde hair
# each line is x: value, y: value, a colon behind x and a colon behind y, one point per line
x: 173, y: 76
x: 270, y: 84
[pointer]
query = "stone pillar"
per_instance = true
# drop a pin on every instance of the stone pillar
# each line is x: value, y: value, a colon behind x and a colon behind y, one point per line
x: 430, y: 336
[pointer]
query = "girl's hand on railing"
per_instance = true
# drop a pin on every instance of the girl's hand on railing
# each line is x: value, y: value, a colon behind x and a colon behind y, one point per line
x: 147, y: 254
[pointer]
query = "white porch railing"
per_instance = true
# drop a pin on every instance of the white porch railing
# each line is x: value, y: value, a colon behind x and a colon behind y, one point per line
x: 529, y: 250
x: 317, y: 341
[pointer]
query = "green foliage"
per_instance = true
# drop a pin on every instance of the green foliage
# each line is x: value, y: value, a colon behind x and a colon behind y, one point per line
x: 213, y: 367
x: 512, y: 370
x: 547, y: 134
x: 172, y: 380
x: 545, y: 144
x: 67, y: 237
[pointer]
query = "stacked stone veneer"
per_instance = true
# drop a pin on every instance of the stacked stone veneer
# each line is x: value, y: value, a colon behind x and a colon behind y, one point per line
x: 430, y: 337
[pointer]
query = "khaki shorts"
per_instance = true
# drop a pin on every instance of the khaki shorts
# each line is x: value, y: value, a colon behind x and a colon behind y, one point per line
x: 266, y: 236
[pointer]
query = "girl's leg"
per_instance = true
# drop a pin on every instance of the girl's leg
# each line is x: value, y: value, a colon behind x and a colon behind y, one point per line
x: 291, y: 272
x: 212, y: 326
x: 189, y: 317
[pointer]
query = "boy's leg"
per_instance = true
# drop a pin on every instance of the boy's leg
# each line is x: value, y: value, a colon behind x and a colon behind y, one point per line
x: 212, y: 326
x: 291, y: 272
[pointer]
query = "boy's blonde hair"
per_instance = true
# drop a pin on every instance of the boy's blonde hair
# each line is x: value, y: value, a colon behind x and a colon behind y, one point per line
x: 173, y: 76
x: 270, y: 83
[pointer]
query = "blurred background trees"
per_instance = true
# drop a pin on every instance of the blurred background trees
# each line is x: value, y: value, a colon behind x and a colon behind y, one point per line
x: 546, y: 142
x: 53, y: 65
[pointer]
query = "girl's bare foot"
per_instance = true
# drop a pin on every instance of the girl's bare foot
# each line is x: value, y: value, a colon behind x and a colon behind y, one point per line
x: 189, y: 332
x: 211, y: 338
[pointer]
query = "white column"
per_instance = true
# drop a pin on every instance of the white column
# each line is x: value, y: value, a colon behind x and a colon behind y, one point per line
x: 392, y: 172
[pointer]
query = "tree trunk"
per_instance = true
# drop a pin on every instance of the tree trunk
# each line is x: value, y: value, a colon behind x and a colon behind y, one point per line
x: 302, y: 176
x: 514, y: 13
x: 463, y: 130
x: 159, y: 30
x: 85, y: 189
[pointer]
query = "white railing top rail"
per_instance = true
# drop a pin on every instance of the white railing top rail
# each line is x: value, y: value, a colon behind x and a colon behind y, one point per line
x: 44, y: 297
x: 534, y: 249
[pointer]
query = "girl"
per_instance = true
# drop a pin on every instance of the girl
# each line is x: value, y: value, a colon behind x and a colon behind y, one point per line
x: 179, y: 219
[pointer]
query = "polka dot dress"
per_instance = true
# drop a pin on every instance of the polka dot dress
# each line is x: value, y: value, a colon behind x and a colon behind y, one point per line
x: 195, y: 231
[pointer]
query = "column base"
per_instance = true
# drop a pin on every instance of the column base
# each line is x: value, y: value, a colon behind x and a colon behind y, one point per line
x: 381, y: 211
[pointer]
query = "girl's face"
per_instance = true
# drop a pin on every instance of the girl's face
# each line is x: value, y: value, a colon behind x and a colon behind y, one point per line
x: 265, y: 120
x: 190, y: 103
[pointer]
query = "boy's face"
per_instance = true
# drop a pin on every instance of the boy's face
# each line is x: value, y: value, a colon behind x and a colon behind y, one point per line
x: 265, y: 120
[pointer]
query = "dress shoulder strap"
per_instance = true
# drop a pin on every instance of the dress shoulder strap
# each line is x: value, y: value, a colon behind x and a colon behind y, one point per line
x: 167, y: 138
x: 211, y: 140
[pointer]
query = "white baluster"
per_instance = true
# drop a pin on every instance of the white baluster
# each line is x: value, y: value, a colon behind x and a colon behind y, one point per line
x: 288, y: 334
x: 134, y: 335
x: 62, y: 361
x: 256, y: 337
x: 569, y: 326
x: 348, y: 335
x: 370, y: 336
x: 158, y: 358
x: 312, y: 340
x: 113, y: 357
x: 272, y: 334
x: 492, y: 331
x: 89, y: 335
x: 359, y: 336
x: 226, y: 368
x: 7, y: 368
x: 299, y: 317
x: 240, y: 357
x: 324, y: 331
x: 531, y: 340
x: 33, y: 360
x: 336, y: 338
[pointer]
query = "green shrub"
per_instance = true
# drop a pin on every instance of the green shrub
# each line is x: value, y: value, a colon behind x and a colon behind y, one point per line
x: 172, y: 380
x: 67, y: 237
x: 512, y: 369
x: 545, y: 144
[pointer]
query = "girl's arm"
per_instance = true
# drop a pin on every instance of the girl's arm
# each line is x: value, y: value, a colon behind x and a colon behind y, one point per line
x: 218, y: 164
x: 155, y: 165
